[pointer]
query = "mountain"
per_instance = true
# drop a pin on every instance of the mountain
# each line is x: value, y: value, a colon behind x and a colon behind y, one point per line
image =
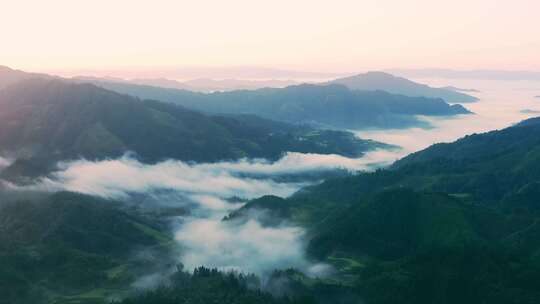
x: 529, y: 111
x: 9, y: 76
x: 467, y: 74
x: 58, y: 119
x: 398, y: 85
x: 486, y: 169
x: 454, y: 223
x: 195, y: 72
x: 452, y: 88
x: 73, y: 248
x: 321, y: 106
x: 529, y: 122
x: 211, y: 85
x: 158, y: 82
x: 326, y: 106
x: 204, y: 85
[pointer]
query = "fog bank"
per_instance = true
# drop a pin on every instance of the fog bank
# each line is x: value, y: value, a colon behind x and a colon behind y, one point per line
x: 204, y: 189
x: 501, y: 105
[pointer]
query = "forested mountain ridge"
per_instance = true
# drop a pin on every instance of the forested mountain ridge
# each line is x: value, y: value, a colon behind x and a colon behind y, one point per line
x: 328, y: 105
x: 456, y: 222
x: 72, y: 248
x: 520, y: 137
x: 9, y: 76
x: 199, y: 84
x: 485, y: 167
x: 320, y: 105
x: 58, y: 119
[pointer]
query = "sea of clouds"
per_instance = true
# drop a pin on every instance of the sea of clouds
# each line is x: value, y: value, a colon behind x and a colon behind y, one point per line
x: 205, y: 189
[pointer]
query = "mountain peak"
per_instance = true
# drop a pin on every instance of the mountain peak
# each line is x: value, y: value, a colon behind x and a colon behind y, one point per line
x: 377, y: 73
x: 5, y: 68
x: 377, y: 80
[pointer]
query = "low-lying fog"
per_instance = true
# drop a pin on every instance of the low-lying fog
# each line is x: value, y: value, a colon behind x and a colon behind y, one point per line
x: 502, y: 103
x: 206, y: 189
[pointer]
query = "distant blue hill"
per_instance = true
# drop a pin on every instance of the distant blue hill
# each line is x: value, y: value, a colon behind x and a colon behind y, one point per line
x: 398, y: 85
x: 325, y: 105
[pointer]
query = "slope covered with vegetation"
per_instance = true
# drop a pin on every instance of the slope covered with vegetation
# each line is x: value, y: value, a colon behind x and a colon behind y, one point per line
x: 206, y: 285
x: 55, y: 119
x: 73, y: 248
x: 455, y: 223
x: 329, y: 105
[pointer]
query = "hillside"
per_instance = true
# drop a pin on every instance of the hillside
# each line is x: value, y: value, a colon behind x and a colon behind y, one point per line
x: 61, y: 120
x: 72, y: 248
x: 9, y: 76
x: 455, y: 223
x: 326, y: 106
x: 207, y: 85
x: 205, y: 285
x: 485, y: 168
x: 398, y: 85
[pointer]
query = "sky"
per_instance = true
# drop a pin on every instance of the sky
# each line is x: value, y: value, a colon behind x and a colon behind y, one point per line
x: 306, y: 35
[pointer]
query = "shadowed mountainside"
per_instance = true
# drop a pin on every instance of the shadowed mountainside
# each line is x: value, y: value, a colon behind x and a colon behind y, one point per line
x: 325, y: 106
x: 57, y: 119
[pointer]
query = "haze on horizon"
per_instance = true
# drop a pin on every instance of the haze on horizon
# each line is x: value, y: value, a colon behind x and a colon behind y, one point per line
x: 66, y: 36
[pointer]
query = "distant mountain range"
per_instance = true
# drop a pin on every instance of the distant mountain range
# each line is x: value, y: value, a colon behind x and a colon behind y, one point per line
x: 9, y: 76
x: 55, y: 118
x: 398, y: 85
x: 58, y: 119
x: 204, y: 85
x: 347, y: 103
x: 196, y: 72
x: 452, y: 88
x: 467, y: 74
x: 529, y: 111
x: 455, y: 223
x: 325, y: 105
x: 371, y: 81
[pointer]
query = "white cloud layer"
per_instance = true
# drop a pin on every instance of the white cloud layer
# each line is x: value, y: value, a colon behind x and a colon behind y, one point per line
x: 204, y: 237
x: 247, y: 247
x: 4, y: 162
x: 119, y: 177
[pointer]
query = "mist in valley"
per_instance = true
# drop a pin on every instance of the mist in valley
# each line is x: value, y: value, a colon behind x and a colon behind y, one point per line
x: 205, y: 190
x: 501, y: 105
x: 206, y: 193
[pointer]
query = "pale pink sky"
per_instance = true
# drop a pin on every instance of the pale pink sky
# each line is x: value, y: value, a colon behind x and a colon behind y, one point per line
x: 310, y: 35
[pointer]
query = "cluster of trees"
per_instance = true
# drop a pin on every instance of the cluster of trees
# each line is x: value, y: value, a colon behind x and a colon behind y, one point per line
x: 205, y: 285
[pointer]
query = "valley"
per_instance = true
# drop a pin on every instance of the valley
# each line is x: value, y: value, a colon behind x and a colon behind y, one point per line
x: 269, y: 211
